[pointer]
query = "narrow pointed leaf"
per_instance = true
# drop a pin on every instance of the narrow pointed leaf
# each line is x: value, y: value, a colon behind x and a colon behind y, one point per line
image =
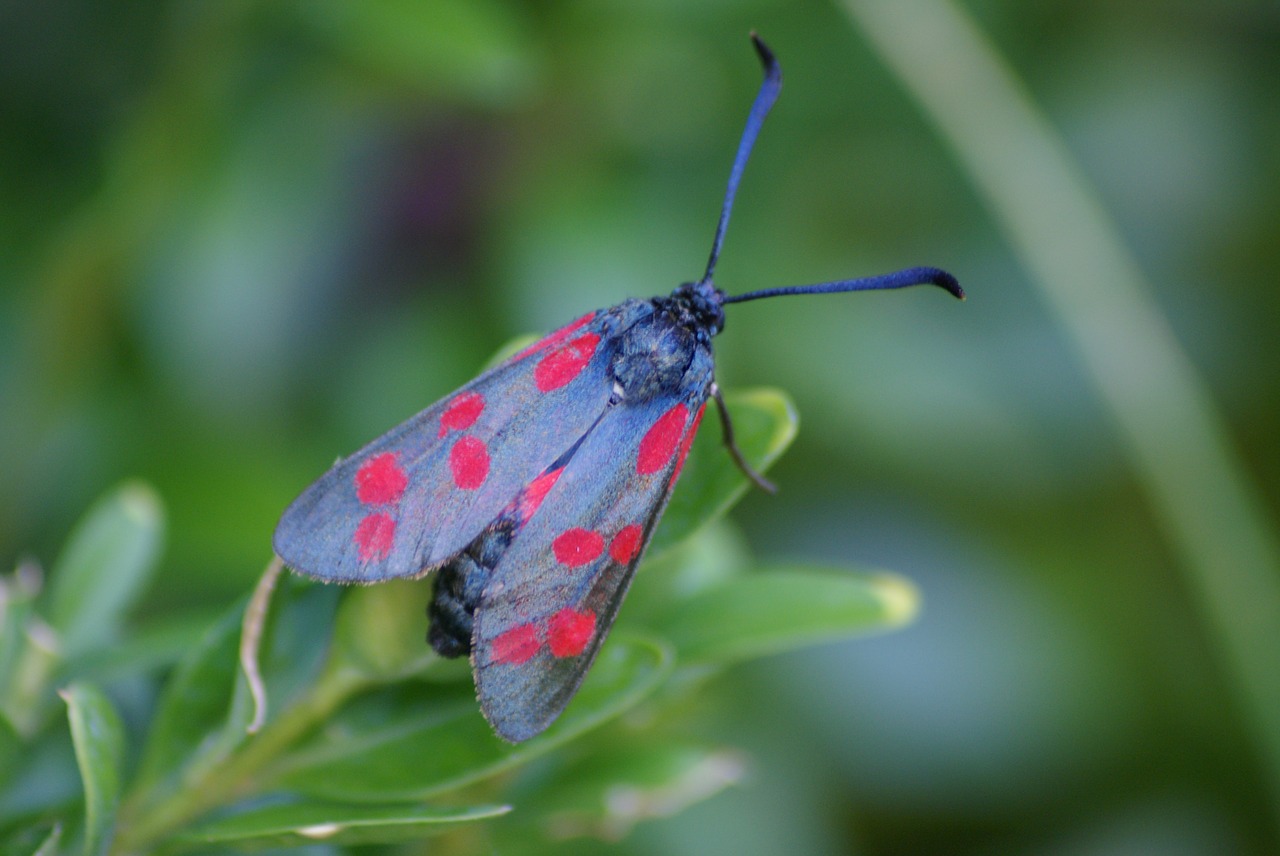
x: 432, y: 750
x: 605, y: 793
x: 205, y: 709
x: 300, y: 824
x: 785, y: 608
x: 764, y: 423
x: 40, y: 840
x: 379, y: 629
x: 99, y: 743
x: 194, y: 703
x: 104, y: 568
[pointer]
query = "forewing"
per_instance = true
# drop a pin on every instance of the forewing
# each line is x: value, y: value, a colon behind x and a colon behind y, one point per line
x: 421, y: 492
x: 557, y: 589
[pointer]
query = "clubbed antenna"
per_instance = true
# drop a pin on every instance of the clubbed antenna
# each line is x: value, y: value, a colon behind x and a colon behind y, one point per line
x: 755, y: 119
x: 897, y: 279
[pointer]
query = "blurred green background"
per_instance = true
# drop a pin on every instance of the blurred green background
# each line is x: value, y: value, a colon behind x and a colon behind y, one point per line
x: 240, y: 239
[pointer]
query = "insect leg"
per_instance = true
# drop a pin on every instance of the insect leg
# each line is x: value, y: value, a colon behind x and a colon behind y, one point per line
x: 760, y: 481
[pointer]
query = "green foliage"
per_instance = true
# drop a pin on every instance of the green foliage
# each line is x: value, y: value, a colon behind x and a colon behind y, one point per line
x: 368, y: 737
x: 100, y: 750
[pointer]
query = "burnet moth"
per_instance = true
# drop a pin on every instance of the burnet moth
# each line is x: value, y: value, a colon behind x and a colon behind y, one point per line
x: 533, y: 490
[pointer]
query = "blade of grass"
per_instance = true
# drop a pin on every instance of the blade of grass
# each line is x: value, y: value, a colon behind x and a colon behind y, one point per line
x: 1178, y: 443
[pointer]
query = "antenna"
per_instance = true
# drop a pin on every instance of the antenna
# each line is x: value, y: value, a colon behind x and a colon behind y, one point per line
x: 897, y: 279
x: 759, y: 109
x: 755, y: 119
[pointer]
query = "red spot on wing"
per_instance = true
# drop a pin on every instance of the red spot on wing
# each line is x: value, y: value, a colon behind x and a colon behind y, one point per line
x: 537, y: 491
x: 469, y: 462
x: 380, y: 481
x: 557, y: 337
x: 565, y: 363
x: 462, y: 412
x: 626, y: 544
x: 569, y: 632
x: 687, y: 443
x: 374, y: 536
x: 660, y: 441
x: 517, y: 645
x: 577, y: 547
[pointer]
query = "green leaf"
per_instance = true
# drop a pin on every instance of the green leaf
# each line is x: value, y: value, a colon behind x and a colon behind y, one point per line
x: 17, y: 599
x: 605, y: 793
x: 380, y: 629
x: 475, y: 46
x: 194, y: 703
x: 785, y: 608
x: 155, y: 646
x: 205, y: 709
x: 708, y: 558
x: 297, y: 638
x: 300, y: 824
x: 11, y: 746
x: 39, y: 840
x: 104, y: 567
x: 28, y: 654
x: 435, y: 747
x: 764, y: 424
x: 99, y: 743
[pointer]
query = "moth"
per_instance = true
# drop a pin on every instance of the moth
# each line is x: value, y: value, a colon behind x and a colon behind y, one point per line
x: 532, y: 491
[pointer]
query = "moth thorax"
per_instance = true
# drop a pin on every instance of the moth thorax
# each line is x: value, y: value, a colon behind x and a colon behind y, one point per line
x: 653, y: 358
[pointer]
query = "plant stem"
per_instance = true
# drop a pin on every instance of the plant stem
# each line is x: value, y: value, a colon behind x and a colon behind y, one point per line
x: 1178, y: 444
x: 240, y: 771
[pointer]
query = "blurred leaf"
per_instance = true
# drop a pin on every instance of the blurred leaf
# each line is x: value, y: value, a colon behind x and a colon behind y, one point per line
x: 155, y: 646
x: 28, y: 653
x: 510, y: 348
x: 205, y: 709
x: 608, y: 792
x: 706, y: 559
x: 17, y: 596
x: 194, y: 703
x: 476, y: 46
x: 380, y: 629
x: 10, y: 746
x: 311, y: 823
x: 39, y: 840
x: 764, y: 424
x: 297, y: 638
x: 99, y: 743
x: 104, y: 567
x: 432, y: 750
x: 782, y: 609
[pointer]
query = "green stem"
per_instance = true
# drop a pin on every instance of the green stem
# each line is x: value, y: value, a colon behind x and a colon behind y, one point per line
x: 240, y: 772
x: 1179, y: 445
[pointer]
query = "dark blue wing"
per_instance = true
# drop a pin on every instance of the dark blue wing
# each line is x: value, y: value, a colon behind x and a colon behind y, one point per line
x: 420, y: 493
x: 556, y: 590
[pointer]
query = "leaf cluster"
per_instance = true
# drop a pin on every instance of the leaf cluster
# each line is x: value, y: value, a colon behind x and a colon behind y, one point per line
x: 368, y: 737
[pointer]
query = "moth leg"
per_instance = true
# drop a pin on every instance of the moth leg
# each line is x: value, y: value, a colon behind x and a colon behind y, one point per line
x: 759, y: 480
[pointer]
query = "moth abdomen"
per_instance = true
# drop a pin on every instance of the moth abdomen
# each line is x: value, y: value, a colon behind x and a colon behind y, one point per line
x: 459, y: 585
